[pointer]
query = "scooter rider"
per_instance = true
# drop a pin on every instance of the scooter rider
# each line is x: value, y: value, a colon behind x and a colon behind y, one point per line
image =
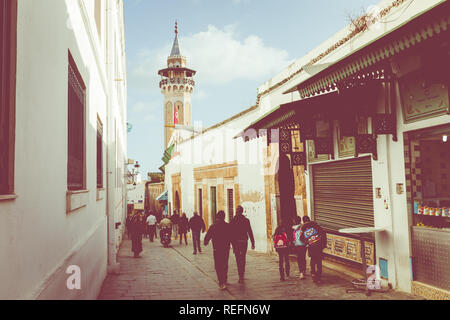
x: 165, y: 223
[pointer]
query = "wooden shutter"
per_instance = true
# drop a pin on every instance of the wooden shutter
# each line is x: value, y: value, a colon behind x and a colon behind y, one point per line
x: 8, y: 53
x: 76, y: 128
x: 99, y: 153
x: 343, y: 196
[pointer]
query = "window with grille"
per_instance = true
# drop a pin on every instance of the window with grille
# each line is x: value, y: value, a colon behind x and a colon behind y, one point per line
x: 76, y: 128
x: 230, y: 204
x: 8, y: 41
x: 99, y: 153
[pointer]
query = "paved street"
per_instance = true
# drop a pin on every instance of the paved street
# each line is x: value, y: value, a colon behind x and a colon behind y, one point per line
x: 176, y: 274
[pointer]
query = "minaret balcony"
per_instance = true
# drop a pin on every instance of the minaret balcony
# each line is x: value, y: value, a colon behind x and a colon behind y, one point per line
x: 176, y: 81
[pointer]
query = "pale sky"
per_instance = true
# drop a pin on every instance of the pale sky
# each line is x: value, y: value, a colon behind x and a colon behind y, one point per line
x: 234, y: 45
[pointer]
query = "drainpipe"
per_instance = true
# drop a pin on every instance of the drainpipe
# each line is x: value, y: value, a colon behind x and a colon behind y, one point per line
x: 113, y: 266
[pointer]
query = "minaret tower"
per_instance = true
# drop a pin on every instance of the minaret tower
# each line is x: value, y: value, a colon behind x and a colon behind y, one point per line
x: 177, y: 86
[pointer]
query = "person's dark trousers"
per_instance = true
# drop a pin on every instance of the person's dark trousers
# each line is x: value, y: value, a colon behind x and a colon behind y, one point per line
x: 196, y: 241
x: 283, y: 262
x: 240, y: 252
x: 315, y: 252
x: 175, y: 230
x: 221, y: 264
x: 181, y: 238
x: 152, y: 232
x: 300, y: 251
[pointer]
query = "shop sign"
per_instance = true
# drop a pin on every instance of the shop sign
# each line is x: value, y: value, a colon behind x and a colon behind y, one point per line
x: 312, y: 157
x: 423, y: 98
x: 349, y: 249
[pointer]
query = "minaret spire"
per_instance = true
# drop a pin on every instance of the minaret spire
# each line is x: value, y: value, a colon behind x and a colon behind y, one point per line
x: 176, y: 47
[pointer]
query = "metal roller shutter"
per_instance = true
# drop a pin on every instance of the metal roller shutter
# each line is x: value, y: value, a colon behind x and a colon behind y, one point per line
x: 343, y: 194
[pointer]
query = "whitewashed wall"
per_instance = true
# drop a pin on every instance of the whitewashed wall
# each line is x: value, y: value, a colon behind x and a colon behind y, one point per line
x: 38, y: 239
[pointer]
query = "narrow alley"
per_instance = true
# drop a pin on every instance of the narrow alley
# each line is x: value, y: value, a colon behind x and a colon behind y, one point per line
x: 176, y: 274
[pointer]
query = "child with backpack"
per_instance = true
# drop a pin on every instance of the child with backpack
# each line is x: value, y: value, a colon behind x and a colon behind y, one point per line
x: 281, y: 244
x: 316, y: 240
x: 299, y: 247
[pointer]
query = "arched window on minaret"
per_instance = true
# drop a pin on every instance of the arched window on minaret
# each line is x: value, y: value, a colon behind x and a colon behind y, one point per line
x: 179, y: 113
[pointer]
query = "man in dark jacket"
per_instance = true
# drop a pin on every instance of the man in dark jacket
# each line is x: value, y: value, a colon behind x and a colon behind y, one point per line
x: 219, y: 232
x: 197, y: 225
x: 242, y: 231
x: 315, y: 238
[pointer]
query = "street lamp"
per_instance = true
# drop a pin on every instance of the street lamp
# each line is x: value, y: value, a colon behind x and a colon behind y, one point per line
x: 135, y: 171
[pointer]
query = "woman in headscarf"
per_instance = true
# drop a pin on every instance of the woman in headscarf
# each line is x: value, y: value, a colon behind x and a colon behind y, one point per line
x: 136, y: 229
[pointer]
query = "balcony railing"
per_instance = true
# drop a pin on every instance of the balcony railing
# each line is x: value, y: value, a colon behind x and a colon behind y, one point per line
x: 176, y: 81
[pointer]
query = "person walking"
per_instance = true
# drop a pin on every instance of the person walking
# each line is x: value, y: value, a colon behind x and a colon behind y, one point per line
x: 219, y: 233
x: 183, y: 227
x: 315, y: 238
x: 151, y: 224
x: 242, y: 232
x: 299, y: 247
x: 144, y: 220
x: 196, y: 225
x: 136, y: 230
x: 175, y: 219
x: 281, y: 244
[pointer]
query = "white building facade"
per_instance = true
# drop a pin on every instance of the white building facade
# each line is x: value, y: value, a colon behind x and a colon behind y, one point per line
x: 360, y: 129
x: 212, y: 171
x: 63, y: 203
x: 389, y: 75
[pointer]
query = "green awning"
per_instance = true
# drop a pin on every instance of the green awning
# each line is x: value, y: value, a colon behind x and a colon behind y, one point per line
x: 163, y: 196
x: 168, y: 154
x: 166, y: 157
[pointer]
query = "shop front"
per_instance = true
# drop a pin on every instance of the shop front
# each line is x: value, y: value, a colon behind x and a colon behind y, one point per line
x: 428, y: 179
x: 370, y: 136
x: 325, y: 144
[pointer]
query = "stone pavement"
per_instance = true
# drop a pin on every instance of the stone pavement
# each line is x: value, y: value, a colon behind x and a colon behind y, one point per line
x: 176, y: 274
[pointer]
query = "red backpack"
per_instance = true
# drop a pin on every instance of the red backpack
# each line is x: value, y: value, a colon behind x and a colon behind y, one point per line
x: 280, y: 241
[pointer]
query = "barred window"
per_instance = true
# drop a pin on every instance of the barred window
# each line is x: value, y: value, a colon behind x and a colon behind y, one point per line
x: 76, y: 128
x: 8, y: 51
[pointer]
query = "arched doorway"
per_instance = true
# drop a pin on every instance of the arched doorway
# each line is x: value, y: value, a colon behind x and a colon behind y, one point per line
x: 287, y: 188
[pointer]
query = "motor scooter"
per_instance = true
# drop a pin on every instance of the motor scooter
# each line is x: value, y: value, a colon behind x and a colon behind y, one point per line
x: 165, y: 236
